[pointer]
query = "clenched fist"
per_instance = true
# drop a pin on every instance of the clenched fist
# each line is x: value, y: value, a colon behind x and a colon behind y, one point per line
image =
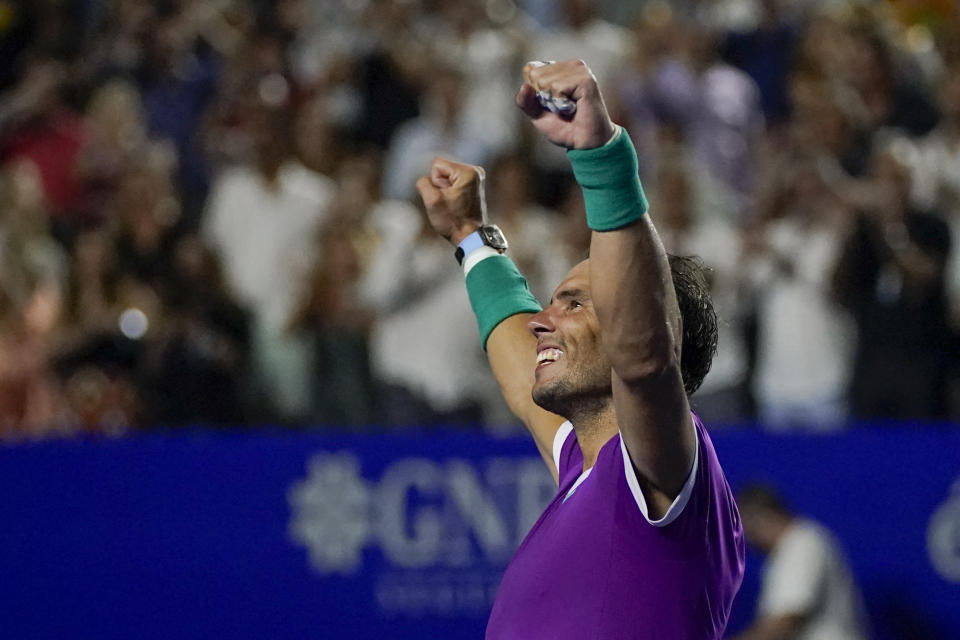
x: 454, y: 198
x: 590, y: 125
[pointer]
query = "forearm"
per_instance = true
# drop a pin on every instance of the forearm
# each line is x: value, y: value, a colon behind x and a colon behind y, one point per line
x: 630, y: 276
x: 639, y: 322
x: 635, y: 302
x: 503, y: 304
x: 499, y: 295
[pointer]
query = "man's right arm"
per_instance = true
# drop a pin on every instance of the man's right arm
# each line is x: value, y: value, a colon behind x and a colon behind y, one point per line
x: 453, y: 196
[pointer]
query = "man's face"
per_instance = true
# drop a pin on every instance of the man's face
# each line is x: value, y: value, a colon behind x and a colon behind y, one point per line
x: 571, y: 366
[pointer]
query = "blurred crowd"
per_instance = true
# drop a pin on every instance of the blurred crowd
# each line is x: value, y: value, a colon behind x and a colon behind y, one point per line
x: 208, y: 214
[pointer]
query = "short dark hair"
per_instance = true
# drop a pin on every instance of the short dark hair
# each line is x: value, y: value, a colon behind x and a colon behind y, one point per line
x: 698, y: 318
x: 760, y: 496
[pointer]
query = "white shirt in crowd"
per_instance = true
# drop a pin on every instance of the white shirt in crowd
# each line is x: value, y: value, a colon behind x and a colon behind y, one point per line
x: 266, y: 235
x: 424, y: 337
x: 807, y: 574
x: 806, y: 340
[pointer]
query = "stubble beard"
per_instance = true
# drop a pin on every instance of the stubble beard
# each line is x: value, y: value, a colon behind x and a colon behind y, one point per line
x: 576, y: 396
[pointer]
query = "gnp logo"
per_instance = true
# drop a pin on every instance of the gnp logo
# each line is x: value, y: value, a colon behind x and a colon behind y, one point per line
x: 444, y: 528
x: 943, y: 537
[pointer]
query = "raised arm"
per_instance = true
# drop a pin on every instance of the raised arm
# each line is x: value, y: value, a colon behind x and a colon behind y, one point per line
x: 631, y: 286
x: 453, y: 197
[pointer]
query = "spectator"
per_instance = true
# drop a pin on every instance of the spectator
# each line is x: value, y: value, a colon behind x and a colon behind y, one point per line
x: 526, y: 223
x: 808, y: 590
x: 116, y: 139
x: 804, y: 338
x: 891, y: 276
x: 714, y: 107
x: 888, y: 97
x: 261, y: 217
x: 37, y: 124
x: 824, y: 125
x: 332, y: 312
x: 583, y: 33
x: 690, y: 226
x: 113, y: 321
x: 936, y: 176
x: 490, y: 49
x: 177, y: 78
x: 765, y: 50
x: 443, y: 128
x: 201, y: 370
x: 32, y: 278
x: 144, y: 213
x: 27, y: 250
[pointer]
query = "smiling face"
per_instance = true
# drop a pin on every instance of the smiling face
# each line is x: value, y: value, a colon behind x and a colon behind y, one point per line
x: 572, y: 374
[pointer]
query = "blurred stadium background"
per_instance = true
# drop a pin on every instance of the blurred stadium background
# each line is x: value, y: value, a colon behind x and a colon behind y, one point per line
x: 240, y: 388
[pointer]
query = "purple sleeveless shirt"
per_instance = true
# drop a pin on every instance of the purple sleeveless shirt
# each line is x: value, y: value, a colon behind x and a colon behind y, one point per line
x: 594, y: 567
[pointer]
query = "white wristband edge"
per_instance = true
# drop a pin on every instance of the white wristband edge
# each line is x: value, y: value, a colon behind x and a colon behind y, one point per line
x: 476, y: 256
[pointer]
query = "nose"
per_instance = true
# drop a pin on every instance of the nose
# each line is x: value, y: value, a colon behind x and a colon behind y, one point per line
x: 540, y: 323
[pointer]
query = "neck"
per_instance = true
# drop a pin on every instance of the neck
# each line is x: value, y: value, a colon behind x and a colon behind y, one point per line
x: 783, y: 525
x: 595, y: 423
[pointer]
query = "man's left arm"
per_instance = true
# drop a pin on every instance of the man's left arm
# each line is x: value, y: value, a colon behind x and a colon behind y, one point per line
x: 630, y: 280
x: 640, y: 328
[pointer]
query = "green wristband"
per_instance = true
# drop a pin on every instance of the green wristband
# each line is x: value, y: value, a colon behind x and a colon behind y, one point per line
x: 610, y: 180
x: 497, y: 291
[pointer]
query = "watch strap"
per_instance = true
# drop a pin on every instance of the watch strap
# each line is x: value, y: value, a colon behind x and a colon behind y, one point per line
x: 470, y: 243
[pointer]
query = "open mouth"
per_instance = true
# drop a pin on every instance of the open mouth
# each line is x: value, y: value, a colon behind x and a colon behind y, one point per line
x: 546, y: 356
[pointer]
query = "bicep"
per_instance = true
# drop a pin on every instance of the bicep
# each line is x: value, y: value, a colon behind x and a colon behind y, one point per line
x: 512, y: 351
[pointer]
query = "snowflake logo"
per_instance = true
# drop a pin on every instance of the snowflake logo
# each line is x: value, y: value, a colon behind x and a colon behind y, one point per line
x: 943, y: 537
x: 331, y: 513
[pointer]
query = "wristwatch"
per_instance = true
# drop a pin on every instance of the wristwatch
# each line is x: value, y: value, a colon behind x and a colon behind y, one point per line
x: 488, y: 234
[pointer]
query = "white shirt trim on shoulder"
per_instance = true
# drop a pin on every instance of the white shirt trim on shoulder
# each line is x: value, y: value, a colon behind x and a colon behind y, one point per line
x: 579, y: 481
x: 678, y: 504
x: 558, y: 440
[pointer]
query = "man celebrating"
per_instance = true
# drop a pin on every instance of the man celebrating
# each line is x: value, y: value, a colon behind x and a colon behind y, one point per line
x: 643, y: 539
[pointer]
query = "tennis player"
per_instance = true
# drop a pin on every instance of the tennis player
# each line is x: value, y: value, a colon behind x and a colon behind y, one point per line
x: 643, y: 539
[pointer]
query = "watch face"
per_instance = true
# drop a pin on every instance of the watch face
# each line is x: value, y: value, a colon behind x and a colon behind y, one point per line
x: 492, y: 236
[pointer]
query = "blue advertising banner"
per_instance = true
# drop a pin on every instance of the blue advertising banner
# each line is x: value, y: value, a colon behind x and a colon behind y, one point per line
x: 302, y: 535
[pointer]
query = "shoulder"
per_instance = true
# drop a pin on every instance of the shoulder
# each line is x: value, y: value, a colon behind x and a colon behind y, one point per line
x: 679, y: 504
x: 704, y: 497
